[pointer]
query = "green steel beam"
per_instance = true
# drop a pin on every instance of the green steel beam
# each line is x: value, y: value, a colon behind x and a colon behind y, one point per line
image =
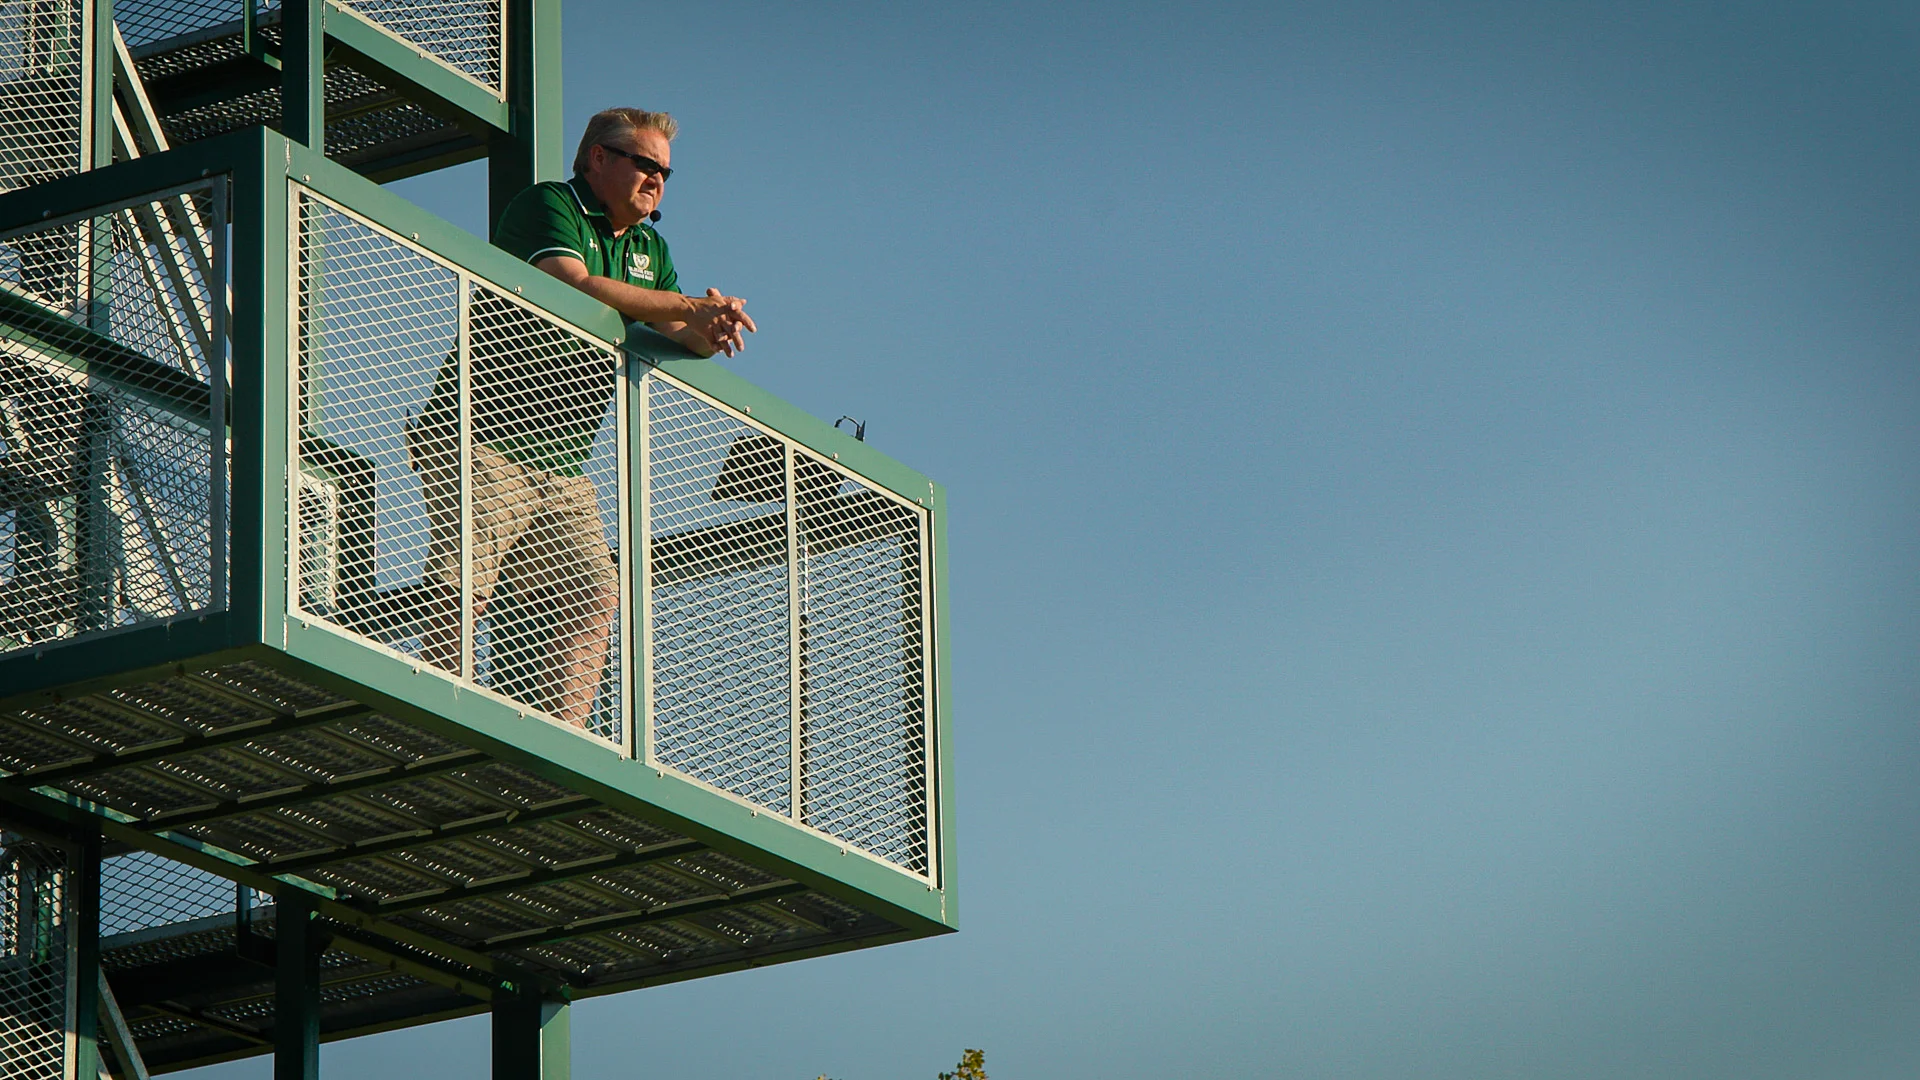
x: 420, y: 838
x: 672, y: 849
x: 303, y: 105
x: 339, y: 1035
x: 99, y: 93
x: 121, y: 183
x: 83, y: 868
x: 58, y: 343
x: 533, y: 147
x: 742, y: 960
x: 298, y: 943
x: 601, y: 924
x: 431, y: 85
x: 186, y: 745
x: 532, y: 1038
x: 314, y: 792
x: 942, y: 763
x: 262, y: 241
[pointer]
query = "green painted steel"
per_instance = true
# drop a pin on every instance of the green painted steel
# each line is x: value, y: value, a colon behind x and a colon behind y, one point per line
x: 532, y: 1037
x: 262, y: 226
x: 532, y: 148
x: 770, y: 889
x: 296, y: 1000
x: 83, y: 907
x: 376, y: 52
x: 99, y: 96
x: 943, y: 715
x: 303, y: 105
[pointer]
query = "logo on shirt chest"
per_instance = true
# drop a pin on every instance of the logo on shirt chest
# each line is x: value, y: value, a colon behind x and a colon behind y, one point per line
x: 639, y: 266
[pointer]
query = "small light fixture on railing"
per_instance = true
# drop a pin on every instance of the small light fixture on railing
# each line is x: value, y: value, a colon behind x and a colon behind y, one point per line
x: 859, y: 427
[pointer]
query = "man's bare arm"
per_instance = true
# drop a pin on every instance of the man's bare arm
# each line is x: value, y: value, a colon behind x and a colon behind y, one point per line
x: 706, y: 324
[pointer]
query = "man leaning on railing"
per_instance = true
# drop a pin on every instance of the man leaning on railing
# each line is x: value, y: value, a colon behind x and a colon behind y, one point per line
x: 536, y: 518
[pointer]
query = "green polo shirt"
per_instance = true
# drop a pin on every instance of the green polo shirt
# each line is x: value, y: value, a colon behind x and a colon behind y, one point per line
x: 538, y: 404
x: 557, y: 218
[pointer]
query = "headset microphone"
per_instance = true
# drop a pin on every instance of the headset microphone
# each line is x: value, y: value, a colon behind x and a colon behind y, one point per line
x: 655, y: 216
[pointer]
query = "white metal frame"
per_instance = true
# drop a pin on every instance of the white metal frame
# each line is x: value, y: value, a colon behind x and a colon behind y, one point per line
x: 923, y: 519
x: 466, y: 281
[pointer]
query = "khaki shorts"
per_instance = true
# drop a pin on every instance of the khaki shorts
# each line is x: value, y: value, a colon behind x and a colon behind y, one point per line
x: 530, y: 527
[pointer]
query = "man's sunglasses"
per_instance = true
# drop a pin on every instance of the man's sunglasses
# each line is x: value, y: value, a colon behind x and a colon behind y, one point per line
x: 642, y: 162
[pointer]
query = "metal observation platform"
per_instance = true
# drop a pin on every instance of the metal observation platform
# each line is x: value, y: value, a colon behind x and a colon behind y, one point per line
x: 264, y: 781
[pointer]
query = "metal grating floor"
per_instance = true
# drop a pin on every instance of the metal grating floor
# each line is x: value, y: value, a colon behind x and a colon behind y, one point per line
x: 450, y: 859
x: 204, y: 84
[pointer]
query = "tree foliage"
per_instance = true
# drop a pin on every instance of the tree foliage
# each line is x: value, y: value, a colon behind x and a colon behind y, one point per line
x: 973, y: 1066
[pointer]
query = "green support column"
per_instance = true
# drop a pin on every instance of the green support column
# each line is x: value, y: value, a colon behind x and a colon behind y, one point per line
x: 98, y: 41
x: 535, y: 146
x: 96, y: 530
x: 96, y: 237
x: 532, y: 1038
x: 303, y: 110
x: 83, y: 952
x: 296, y: 990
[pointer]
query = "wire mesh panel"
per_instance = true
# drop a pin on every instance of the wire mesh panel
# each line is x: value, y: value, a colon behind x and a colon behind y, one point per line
x: 113, y: 474
x: 863, y: 703
x: 465, y: 35
x: 545, y: 523
x: 458, y: 484
x: 143, y: 22
x: 34, y: 996
x: 786, y: 658
x: 719, y: 599
x: 141, y: 891
x: 41, y: 72
x: 377, y: 322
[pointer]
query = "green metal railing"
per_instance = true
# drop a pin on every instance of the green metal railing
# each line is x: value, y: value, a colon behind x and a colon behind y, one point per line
x: 771, y: 617
x: 771, y: 633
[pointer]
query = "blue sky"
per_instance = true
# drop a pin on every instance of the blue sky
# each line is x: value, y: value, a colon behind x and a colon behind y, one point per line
x: 1435, y: 533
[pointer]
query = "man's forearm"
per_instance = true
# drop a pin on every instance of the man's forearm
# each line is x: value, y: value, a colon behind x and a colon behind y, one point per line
x: 637, y: 304
x: 664, y: 311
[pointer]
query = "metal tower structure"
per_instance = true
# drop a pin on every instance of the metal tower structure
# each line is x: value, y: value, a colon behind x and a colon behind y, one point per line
x: 244, y: 807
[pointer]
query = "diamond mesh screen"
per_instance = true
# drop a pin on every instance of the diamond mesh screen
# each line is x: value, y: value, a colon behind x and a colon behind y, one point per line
x: 719, y: 603
x: 41, y: 70
x: 863, y: 710
x: 458, y: 479
x: 463, y: 34
x: 785, y: 618
x: 143, y: 22
x: 110, y: 513
x: 141, y: 890
x: 33, y: 960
